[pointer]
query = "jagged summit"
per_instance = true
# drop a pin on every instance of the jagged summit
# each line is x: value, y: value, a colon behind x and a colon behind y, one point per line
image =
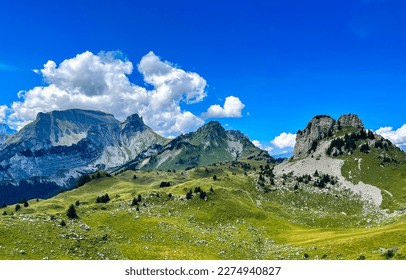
x: 320, y: 127
x: 351, y: 120
x: 133, y: 123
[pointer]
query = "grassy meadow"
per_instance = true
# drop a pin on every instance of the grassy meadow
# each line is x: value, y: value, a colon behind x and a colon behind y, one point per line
x: 235, y: 219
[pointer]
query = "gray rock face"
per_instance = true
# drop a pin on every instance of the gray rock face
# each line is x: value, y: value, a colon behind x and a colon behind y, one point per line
x: 59, y: 146
x: 319, y: 128
x: 307, y: 139
x: 351, y: 120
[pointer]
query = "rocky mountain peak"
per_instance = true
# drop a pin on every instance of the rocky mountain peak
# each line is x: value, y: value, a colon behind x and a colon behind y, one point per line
x: 320, y: 127
x: 306, y: 140
x: 351, y: 120
x: 212, y: 131
x: 133, y: 123
x: 211, y: 125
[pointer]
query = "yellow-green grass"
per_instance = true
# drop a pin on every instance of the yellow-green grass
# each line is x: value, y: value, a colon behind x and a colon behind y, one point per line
x: 237, y: 221
x: 389, y: 177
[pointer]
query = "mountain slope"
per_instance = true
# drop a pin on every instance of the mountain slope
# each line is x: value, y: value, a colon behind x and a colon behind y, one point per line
x: 231, y: 220
x: 54, y: 150
x: 209, y: 144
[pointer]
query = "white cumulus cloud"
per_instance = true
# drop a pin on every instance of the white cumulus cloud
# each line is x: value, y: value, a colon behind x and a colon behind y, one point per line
x: 284, y: 140
x: 232, y: 108
x: 258, y: 144
x: 3, y: 112
x: 397, y: 137
x: 100, y: 82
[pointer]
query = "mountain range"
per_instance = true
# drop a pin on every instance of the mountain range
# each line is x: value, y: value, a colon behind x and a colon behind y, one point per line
x: 51, y: 153
x: 208, y: 194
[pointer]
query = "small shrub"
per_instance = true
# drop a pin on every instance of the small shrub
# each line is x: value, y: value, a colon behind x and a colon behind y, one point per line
x: 71, y: 213
x: 165, y: 184
x: 361, y: 258
x: 63, y: 224
x: 103, y: 199
x: 18, y: 207
x: 77, y: 203
x: 364, y: 148
x: 389, y: 254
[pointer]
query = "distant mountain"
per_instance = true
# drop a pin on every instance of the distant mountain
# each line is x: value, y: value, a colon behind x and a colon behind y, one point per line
x: 283, y: 155
x: 209, y: 144
x: 5, y: 132
x: 50, y: 153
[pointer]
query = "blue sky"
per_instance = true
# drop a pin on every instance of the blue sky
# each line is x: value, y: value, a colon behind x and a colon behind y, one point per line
x: 285, y: 61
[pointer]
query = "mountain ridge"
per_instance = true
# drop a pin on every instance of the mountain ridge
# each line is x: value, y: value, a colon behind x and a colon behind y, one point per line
x: 54, y: 150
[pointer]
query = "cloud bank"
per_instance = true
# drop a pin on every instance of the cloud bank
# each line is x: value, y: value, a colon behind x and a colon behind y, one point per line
x: 100, y: 82
x: 397, y: 137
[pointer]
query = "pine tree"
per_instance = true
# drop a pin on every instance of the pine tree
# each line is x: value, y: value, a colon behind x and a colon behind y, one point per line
x: 25, y: 203
x: 203, y: 194
x: 18, y: 207
x: 71, y: 213
x: 189, y: 195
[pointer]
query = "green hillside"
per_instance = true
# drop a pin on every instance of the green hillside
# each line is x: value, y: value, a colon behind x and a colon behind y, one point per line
x: 241, y: 212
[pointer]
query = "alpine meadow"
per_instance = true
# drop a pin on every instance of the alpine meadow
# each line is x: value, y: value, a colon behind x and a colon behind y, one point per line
x: 100, y: 189
x: 223, y: 131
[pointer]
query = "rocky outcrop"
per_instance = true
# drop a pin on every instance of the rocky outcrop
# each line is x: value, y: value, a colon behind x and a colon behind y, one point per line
x: 350, y: 120
x: 320, y: 127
